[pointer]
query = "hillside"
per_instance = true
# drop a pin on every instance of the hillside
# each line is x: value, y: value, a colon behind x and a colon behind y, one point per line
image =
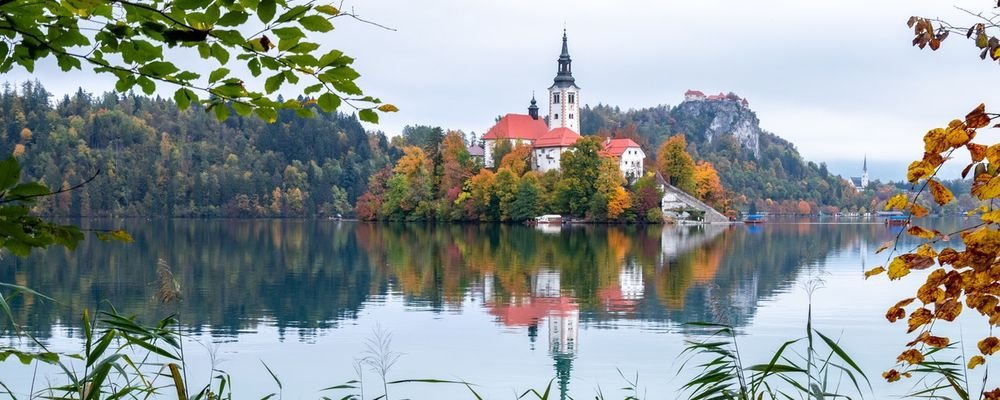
x: 158, y: 161
x: 753, y: 164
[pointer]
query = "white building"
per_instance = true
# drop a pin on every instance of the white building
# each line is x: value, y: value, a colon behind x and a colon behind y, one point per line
x: 564, y: 95
x: 629, y: 156
x: 548, y: 149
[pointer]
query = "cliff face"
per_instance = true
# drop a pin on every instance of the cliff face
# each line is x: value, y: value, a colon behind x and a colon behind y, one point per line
x: 713, y: 118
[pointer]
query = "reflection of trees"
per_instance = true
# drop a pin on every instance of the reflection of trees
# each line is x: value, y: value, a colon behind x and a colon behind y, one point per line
x: 309, y: 274
x: 233, y: 274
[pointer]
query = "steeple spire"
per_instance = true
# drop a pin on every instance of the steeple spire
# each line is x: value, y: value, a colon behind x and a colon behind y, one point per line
x: 864, y: 167
x: 564, y: 77
x: 533, y: 108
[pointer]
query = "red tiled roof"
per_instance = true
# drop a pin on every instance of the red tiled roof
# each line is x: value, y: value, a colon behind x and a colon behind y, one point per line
x: 617, y: 147
x: 528, y: 313
x: 517, y: 126
x: 559, y: 137
x: 693, y: 92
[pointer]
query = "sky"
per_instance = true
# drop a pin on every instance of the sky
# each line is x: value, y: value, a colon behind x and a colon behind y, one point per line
x: 838, y: 79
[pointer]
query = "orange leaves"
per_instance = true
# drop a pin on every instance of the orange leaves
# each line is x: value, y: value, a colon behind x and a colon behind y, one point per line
x: 992, y: 217
x: 941, y: 194
x: 935, y: 141
x: 897, y: 312
x: 891, y: 375
x: 977, y: 118
x: 918, y: 211
x: 993, y: 154
x: 874, y: 271
x: 947, y: 310
x: 933, y: 341
x: 897, y: 202
x: 975, y: 361
x: 919, y: 318
x: 989, y: 345
x: 884, y: 246
x: 911, y: 356
x: 921, y: 232
x: 976, y: 151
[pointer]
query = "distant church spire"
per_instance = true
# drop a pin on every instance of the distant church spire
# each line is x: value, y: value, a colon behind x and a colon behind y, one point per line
x: 864, y: 166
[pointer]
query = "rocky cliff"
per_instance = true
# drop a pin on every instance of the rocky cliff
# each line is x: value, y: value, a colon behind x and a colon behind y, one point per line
x: 714, y: 118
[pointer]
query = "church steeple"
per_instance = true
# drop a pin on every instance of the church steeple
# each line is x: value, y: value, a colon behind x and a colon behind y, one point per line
x: 564, y: 77
x: 564, y: 95
x: 533, y: 108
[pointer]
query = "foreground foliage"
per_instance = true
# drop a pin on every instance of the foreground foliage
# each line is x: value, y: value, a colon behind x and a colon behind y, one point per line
x: 136, y: 40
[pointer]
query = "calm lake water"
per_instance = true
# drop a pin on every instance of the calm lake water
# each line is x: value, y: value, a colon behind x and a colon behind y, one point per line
x: 506, y: 307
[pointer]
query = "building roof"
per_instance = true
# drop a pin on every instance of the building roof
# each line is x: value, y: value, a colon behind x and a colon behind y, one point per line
x: 564, y: 77
x: 559, y: 137
x: 517, y: 126
x: 476, y: 151
x: 694, y: 93
x: 617, y: 147
x: 856, y: 181
x: 530, y: 312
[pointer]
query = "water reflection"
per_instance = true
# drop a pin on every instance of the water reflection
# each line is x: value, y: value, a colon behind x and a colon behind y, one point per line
x: 311, y: 275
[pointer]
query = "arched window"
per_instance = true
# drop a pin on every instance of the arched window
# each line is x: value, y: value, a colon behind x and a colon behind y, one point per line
x: 555, y: 98
x: 571, y: 97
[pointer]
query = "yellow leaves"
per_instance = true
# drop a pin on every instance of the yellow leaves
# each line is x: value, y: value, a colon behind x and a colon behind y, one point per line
x: 935, y: 141
x: 119, y: 235
x: 918, y: 170
x: 986, y: 187
x: 918, y: 211
x: 993, y: 154
x: 976, y: 361
x: 941, y: 194
x: 926, y: 250
x: 898, y: 269
x: 992, y: 217
x: 957, y: 134
x: 896, y: 202
x: 912, y: 356
x: 919, y: 318
x: 983, y: 241
x: 977, y: 118
x: 874, y: 271
x: 388, y: 108
x: 921, y: 232
x: 989, y: 345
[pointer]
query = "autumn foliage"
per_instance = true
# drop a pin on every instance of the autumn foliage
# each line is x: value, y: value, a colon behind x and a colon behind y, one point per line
x: 966, y: 272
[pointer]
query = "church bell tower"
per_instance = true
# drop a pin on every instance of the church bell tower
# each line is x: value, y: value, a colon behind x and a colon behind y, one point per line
x: 564, y: 95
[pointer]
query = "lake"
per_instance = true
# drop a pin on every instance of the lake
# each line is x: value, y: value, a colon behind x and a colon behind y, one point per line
x: 506, y: 307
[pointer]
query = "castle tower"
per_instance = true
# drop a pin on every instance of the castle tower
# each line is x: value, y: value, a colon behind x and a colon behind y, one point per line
x: 564, y: 95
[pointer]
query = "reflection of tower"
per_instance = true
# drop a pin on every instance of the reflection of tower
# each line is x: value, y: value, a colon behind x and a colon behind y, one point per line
x: 487, y: 287
x: 545, y: 283
x: 630, y: 281
x: 564, y: 337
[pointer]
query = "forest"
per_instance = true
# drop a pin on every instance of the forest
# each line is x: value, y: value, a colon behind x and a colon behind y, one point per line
x: 147, y: 158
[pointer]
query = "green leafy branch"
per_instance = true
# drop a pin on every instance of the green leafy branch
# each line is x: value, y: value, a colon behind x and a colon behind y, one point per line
x: 137, y: 32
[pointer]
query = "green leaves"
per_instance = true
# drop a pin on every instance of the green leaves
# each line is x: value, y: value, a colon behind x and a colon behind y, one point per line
x: 328, y: 102
x: 316, y: 23
x: 130, y: 45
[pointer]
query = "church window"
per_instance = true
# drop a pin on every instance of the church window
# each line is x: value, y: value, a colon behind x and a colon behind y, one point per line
x: 557, y: 116
x: 571, y: 98
x: 555, y: 98
x: 571, y: 116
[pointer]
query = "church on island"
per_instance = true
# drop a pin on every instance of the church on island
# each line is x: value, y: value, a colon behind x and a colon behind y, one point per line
x: 554, y: 134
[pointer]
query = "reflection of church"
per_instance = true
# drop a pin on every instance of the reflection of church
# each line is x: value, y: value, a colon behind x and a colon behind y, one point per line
x: 545, y: 303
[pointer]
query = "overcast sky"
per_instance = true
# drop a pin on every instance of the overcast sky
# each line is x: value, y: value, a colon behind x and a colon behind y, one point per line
x: 838, y: 78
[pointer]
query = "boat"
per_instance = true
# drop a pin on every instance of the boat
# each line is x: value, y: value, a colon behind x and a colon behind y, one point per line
x: 549, y: 219
x: 899, y: 220
x: 754, y: 219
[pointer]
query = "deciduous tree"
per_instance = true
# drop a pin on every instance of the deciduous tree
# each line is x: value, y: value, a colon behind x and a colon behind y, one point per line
x: 675, y: 164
